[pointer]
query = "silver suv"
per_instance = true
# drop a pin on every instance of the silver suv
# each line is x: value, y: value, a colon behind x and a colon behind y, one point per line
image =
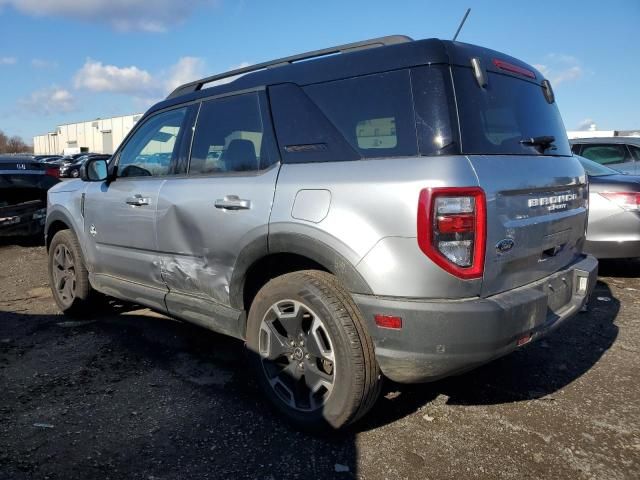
x: 389, y: 208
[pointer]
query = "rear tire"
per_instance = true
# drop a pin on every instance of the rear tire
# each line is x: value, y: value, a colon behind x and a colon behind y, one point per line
x: 68, y: 276
x: 310, y: 351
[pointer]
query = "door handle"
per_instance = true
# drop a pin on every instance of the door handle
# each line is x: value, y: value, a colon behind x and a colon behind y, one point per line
x: 232, y: 202
x: 138, y: 200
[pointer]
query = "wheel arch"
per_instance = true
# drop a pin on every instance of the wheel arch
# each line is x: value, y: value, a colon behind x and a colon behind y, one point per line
x: 286, y: 253
x: 56, y: 221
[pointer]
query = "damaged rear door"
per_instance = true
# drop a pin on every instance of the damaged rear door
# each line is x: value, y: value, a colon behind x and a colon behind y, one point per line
x: 119, y: 216
x: 222, y: 206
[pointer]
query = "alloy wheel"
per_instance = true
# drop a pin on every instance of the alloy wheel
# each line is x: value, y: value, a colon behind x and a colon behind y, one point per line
x: 64, y: 274
x: 297, y: 355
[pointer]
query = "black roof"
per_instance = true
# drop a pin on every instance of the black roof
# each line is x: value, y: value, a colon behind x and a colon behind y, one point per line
x: 367, y: 57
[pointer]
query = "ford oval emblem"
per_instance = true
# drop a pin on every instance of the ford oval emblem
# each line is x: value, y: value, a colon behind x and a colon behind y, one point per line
x: 503, y: 246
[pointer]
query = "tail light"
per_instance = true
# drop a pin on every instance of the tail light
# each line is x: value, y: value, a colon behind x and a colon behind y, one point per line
x: 52, y: 171
x: 629, y: 201
x: 452, y: 229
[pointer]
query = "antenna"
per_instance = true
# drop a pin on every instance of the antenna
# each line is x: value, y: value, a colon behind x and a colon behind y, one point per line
x: 464, y: 19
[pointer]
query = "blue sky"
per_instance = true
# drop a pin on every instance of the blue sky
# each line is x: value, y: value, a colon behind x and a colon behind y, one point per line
x: 70, y: 60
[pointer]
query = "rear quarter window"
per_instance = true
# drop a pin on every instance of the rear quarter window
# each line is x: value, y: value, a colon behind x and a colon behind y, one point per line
x: 374, y: 113
x: 392, y: 114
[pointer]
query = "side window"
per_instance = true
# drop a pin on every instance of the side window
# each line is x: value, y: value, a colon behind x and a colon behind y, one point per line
x: 575, y: 148
x: 230, y: 137
x: 153, y: 147
x: 635, y: 152
x: 374, y: 113
x: 605, y: 154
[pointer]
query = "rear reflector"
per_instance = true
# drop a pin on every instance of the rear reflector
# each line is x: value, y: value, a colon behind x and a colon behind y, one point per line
x: 510, y: 67
x: 456, y: 223
x: 627, y: 200
x: 388, y: 321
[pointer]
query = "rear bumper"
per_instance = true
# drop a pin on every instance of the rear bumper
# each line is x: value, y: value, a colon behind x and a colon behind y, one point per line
x: 613, y: 249
x: 443, y: 337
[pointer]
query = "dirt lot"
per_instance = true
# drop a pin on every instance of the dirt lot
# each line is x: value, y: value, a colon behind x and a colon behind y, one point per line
x: 134, y: 395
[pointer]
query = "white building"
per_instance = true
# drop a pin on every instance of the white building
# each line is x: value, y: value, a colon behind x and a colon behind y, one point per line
x: 102, y: 135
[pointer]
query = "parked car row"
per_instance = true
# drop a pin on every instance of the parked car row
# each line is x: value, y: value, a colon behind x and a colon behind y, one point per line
x: 69, y: 166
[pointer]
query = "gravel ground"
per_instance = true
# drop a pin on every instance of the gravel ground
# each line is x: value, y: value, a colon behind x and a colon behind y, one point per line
x: 132, y: 394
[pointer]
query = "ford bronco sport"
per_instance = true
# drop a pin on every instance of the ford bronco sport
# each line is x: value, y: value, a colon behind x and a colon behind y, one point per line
x: 397, y: 208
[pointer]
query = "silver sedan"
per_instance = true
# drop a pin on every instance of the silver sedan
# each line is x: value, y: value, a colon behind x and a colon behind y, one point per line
x: 614, y: 212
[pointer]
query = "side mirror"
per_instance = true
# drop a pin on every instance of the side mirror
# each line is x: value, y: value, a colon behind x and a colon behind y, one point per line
x: 94, y: 170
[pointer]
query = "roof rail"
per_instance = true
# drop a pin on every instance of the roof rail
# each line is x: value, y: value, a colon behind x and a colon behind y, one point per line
x: 349, y: 47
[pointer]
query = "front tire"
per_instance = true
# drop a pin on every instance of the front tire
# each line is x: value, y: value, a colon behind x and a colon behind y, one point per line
x: 68, y: 276
x: 310, y: 350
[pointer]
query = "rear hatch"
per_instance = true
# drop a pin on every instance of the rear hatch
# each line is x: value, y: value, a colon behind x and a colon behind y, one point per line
x: 514, y: 138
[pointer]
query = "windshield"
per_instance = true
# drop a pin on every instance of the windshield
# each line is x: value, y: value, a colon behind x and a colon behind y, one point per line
x: 508, y: 117
x: 594, y: 169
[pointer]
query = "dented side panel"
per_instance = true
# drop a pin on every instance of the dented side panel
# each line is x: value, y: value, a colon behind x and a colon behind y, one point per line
x: 199, y: 242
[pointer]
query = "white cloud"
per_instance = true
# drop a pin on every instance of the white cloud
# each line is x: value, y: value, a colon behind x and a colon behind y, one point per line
x: 41, y: 63
x: 145, y: 87
x: 156, y: 16
x: 586, y: 124
x: 52, y: 100
x: 96, y: 77
x: 560, y: 68
x: 8, y: 60
x: 187, y: 69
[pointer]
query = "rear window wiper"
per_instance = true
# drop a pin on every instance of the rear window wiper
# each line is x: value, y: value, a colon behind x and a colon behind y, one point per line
x: 544, y: 142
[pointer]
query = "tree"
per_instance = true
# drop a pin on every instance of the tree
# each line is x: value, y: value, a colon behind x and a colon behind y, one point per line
x: 13, y: 144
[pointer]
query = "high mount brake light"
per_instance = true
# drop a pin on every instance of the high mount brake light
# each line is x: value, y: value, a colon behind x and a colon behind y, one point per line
x: 510, y: 67
x: 627, y: 200
x: 452, y: 229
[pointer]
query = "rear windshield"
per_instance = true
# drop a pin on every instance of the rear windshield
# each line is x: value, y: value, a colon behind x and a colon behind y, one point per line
x: 495, y: 119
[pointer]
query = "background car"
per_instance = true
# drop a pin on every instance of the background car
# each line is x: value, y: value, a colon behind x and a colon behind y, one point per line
x: 24, y: 182
x: 614, y: 212
x: 621, y: 153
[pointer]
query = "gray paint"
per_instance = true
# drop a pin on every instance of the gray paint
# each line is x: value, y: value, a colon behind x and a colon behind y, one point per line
x: 185, y: 249
x: 509, y: 182
x: 199, y: 243
x: 311, y: 205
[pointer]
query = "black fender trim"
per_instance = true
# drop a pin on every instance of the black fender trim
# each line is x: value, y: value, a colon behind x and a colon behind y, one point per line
x: 249, y: 255
x: 323, y: 254
x: 57, y: 216
x: 298, y: 244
